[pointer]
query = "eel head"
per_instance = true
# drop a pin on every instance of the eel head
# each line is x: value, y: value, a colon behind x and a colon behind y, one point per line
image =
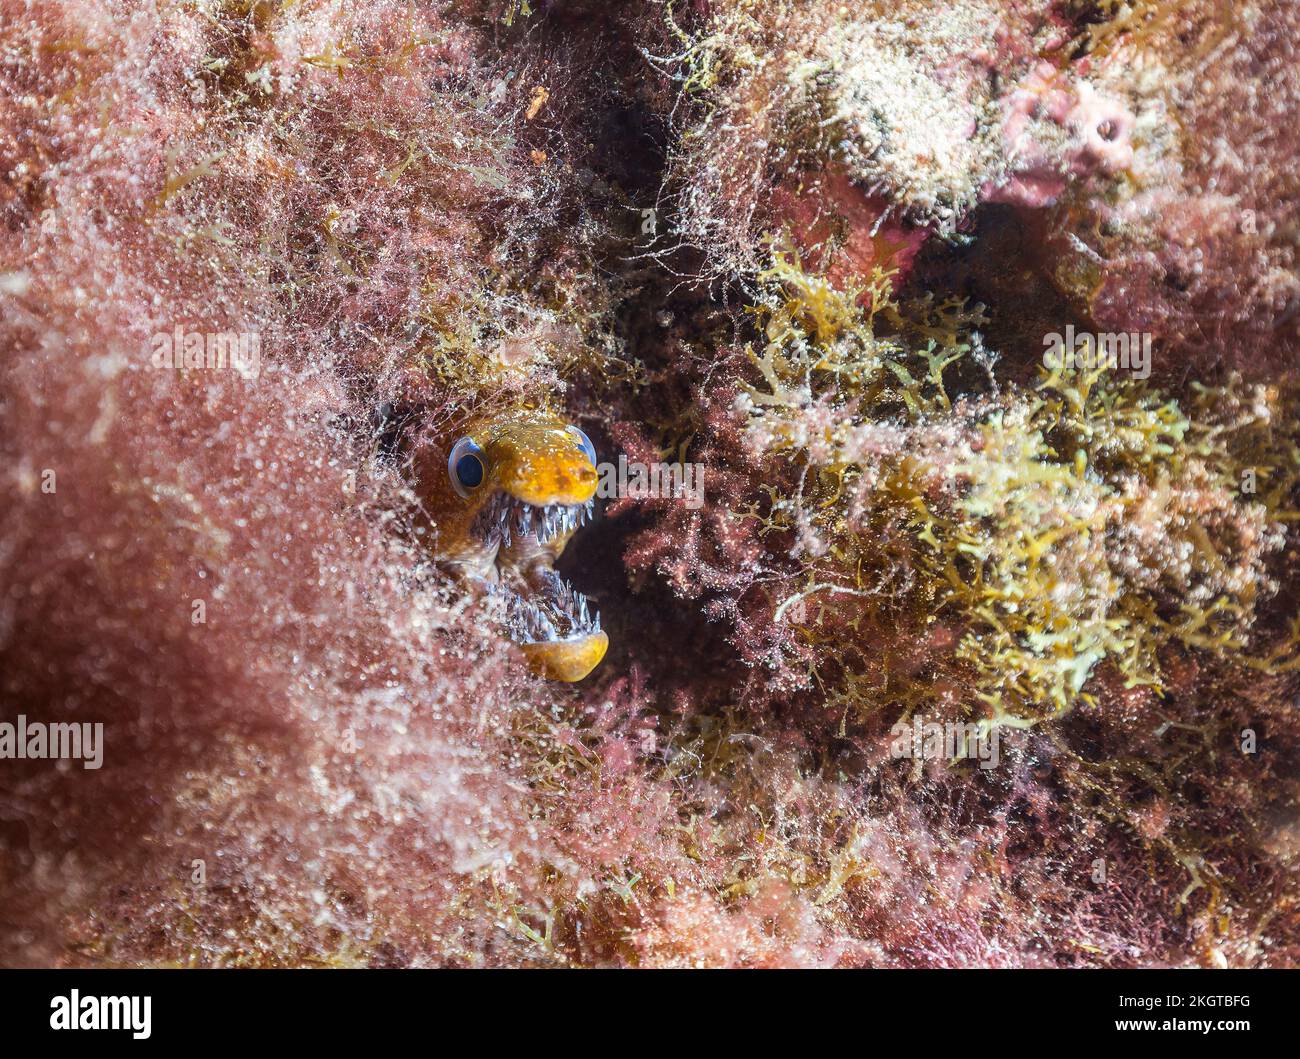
x: 523, y: 483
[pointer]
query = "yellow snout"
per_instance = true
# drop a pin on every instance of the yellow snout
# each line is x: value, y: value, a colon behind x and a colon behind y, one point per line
x: 541, y: 466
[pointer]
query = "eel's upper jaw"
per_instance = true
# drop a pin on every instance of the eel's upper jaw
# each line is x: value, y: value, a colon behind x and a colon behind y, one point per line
x: 505, y: 517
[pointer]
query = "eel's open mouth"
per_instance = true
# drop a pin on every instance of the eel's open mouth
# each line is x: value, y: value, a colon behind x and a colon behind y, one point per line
x: 553, y: 623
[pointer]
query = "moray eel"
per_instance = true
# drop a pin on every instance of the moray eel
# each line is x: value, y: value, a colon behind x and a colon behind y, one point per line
x: 512, y: 492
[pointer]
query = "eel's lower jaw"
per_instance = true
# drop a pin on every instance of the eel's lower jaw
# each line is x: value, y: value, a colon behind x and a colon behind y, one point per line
x: 554, y: 626
x: 567, y: 660
x: 551, y: 612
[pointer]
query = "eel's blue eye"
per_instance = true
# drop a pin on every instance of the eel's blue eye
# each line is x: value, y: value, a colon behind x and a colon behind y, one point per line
x: 586, y: 444
x: 469, y: 471
x: 465, y: 467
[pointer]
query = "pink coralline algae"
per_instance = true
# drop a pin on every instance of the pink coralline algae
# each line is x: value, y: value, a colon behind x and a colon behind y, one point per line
x: 261, y: 263
x: 1100, y: 131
